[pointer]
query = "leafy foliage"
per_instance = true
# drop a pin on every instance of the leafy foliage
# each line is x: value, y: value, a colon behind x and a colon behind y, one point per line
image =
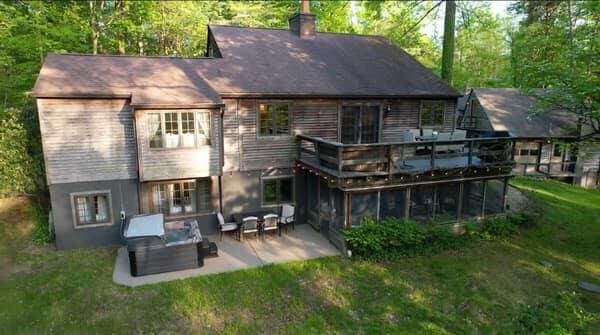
x: 392, y: 238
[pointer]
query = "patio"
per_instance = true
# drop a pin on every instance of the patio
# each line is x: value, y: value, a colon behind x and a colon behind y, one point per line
x: 300, y: 244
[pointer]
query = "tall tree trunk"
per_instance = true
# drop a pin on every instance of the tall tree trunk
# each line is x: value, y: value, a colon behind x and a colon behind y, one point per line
x: 94, y: 26
x: 448, y: 46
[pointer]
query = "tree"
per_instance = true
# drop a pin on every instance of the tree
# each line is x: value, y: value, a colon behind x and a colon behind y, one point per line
x: 448, y: 47
x: 559, y: 50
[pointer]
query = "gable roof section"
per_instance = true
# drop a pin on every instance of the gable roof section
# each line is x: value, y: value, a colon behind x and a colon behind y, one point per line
x: 260, y: 61
x: 508, y: 110
x: 255, y: 62
x: 149, y: 81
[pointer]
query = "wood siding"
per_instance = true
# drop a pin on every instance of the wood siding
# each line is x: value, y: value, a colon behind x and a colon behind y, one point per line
x: 244, y: 150
x: 87, y: 139
x: 178, y: 163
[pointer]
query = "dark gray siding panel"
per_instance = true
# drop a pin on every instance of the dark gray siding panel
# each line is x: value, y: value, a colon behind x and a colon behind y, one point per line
x: 67, y: 236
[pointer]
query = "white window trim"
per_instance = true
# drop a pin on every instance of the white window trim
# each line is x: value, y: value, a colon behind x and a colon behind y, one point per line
x: 89, y: 193
x: 179, y: 129
x: 432, y: 126
x: 268, y: 178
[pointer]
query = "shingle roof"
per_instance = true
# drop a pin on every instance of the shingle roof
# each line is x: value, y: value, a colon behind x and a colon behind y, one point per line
x: 148, y: 80
x: 255, y: 62
x: 274, y: 61
x: 509, y: 110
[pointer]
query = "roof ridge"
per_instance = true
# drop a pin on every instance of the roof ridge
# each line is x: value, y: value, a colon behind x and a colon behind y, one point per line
x: 286, y: 29
x: 129, y: 56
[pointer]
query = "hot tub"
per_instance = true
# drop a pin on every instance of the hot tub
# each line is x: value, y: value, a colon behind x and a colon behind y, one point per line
x: 154, y: 246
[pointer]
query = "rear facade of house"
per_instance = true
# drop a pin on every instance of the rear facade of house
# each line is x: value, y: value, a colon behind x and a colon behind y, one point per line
x: 268, y: 117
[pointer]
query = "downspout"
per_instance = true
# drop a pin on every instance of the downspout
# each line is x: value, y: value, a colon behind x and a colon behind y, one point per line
x: 222, y: 154
x: 137, y: 160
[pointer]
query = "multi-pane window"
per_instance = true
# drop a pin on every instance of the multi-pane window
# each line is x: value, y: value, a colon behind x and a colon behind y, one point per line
x: 432, y: 113
x: 277, y: 190
x: 359, y: 124
x: 179, y: 198
x: 91, y: 208
x: 188, y: 133
x: 181, y: 129
x: 557, y: 152
x: 155, y: 130
x: 274, y: 119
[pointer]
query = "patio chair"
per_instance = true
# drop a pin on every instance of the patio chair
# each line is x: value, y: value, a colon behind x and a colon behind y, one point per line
x: 226, y: 226
x: 443, y: 147
x: 458, y: 134
x: 249, y: 226
x: 287, y: 217
x: 270, y: 223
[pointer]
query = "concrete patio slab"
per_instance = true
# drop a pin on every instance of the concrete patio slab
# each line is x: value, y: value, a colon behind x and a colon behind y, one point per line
x: 300, y: 244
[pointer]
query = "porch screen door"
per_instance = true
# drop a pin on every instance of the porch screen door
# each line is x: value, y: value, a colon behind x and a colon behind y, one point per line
x: 360, y: 124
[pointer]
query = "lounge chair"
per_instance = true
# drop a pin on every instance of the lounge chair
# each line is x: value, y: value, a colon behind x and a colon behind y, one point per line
x: 249, y: 226
x: 442, y: 147
x: 458, y: 134
x: 226, y: 226
x: 287, y: 217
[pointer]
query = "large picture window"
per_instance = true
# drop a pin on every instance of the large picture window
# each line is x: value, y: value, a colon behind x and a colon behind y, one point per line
x: 181, y: 129
x: 181, y: 197
x: 274, y: 119
x: 91, y: 208
x: 432, y: 113
x: 277, y: 190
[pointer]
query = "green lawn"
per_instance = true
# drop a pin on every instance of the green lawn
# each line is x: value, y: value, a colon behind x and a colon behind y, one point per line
x: 484, y: 288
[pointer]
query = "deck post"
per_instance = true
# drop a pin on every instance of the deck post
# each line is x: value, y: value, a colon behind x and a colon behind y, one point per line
x: 298, y: 148
x: 340, y: 162
x: 432, y: 163
x: 470, y: 159
x: 539, y: 157
x: 390, y: 161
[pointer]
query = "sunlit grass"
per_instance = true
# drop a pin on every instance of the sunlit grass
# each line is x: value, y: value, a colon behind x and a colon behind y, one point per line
x: 483, y: 288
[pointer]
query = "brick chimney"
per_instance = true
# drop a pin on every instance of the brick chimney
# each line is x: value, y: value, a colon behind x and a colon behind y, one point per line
x: 303, y: 23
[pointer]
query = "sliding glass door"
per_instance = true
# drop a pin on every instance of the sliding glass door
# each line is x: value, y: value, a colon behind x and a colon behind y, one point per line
x: 359, y: 124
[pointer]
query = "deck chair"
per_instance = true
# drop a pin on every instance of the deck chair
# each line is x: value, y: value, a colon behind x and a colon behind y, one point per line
x: 226, y: 226
x: 249, y: 226
x: 270, y: 223
x: 287, y: 217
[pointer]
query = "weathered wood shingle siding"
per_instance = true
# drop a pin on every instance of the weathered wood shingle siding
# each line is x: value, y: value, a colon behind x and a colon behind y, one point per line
x: 245, y: 150
x: 178, y: 163
x: 87, y: 140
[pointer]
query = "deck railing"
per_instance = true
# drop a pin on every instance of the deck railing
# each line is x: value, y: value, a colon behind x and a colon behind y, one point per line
x: 405, y: 157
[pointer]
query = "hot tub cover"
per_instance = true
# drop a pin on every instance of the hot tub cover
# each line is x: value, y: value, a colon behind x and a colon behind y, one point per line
x: 145, y: 225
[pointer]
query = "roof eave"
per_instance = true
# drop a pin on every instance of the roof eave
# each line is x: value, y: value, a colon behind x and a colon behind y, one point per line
x: 337, y: 96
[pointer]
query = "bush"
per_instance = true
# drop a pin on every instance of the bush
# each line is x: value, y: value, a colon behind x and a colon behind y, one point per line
x: 499, y: 226
x: 392, y: 237
x: 561, y: 314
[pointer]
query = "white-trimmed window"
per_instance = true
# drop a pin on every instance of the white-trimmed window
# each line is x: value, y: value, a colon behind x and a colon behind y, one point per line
x: 181, y: 197
x: 277, y: 190
x: 181, y: 129
x: 432, y: 113
x: 91, y: 208
x: 274, y: 119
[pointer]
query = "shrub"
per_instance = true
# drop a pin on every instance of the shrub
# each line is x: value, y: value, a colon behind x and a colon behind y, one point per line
x: 561, y: 314
x: 499, y: 226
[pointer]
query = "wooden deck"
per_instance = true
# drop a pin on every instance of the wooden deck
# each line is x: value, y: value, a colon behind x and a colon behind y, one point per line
x: 387, y: 159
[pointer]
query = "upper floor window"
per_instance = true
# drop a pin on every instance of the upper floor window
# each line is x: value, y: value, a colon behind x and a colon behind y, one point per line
x: 182, y: 197
x: 274, y: 119
x: 91, y: 208
x: 181, y: 129
x: 432, y: 113
x: 359, y: 124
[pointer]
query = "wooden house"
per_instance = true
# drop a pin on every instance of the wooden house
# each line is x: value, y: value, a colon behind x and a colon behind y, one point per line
x: 547, y: 141
x: 328, y: 122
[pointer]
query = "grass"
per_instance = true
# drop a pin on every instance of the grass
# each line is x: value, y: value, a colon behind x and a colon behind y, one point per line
x: 486, y: 288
